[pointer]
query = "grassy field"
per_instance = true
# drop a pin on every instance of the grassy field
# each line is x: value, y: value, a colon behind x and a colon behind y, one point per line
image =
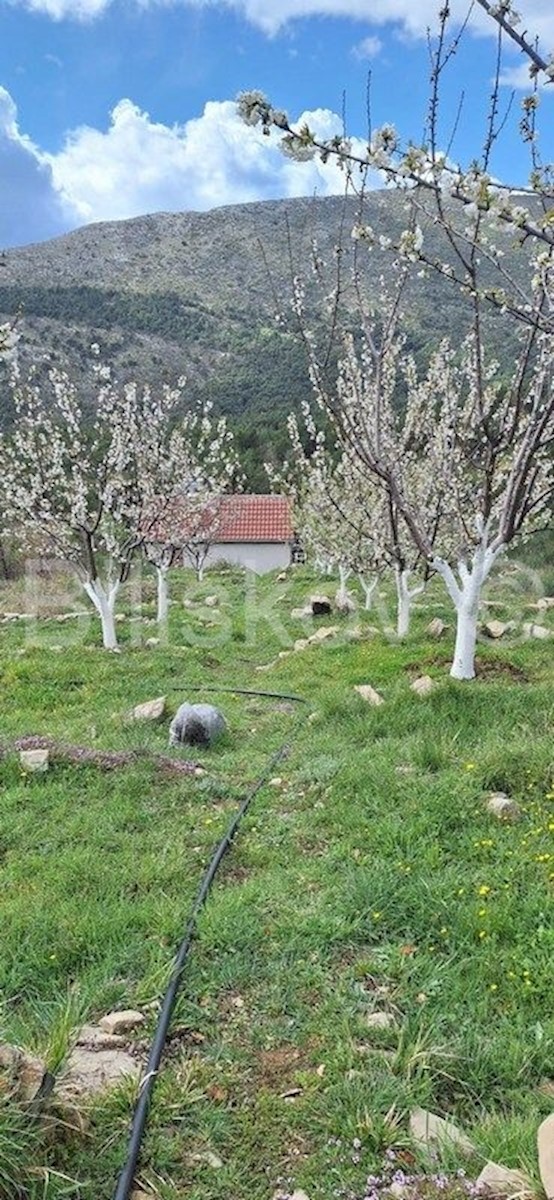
x: 367, y: 877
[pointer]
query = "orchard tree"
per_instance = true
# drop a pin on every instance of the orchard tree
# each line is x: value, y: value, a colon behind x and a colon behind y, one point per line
x: 204, y: 468
x: 87, y: 494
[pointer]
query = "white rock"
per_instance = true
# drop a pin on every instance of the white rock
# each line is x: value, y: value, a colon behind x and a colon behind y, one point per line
x: 431, y: 1132
x: 211, y: 601
x: 423, y: 686
x: 298, y: 614
x: 325, y: 632
x: 282, y: 577
x: 151, y: 642
x: 34, y: 761
x: 500, y: 805
x: 301, y: 644
x: 122, y: 1022
x: 495, y: 629
x: 151, y: 710
x: 380, y: 1020
x: 277, y: 782
x: 540, y: 632
x: 504, y: 1182
x: 368, y: 693
x: 95, y: 1038
x: 545, y: 1143
x: 436, y: 627
x: 213, y: 1160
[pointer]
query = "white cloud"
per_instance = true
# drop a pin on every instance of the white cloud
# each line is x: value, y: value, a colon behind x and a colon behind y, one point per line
x: 270, y: 15
x: 138, y: 165
x: 31, y: 205
x: 368, y: 48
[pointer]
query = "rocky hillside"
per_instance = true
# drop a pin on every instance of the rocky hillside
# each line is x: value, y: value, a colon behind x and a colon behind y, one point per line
x: 197, y: 294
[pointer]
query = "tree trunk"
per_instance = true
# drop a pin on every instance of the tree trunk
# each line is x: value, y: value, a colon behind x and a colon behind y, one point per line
x: 466, y: 597
x: 163, y: 595
x: 344, y: 576
x: 200, y: 572
x: 404, y: 602
x: 368, y: 590
x: 104, y: 604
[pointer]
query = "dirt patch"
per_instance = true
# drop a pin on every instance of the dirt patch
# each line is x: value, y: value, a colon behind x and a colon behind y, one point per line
x: 485, y: 668
x: 277, y: 1069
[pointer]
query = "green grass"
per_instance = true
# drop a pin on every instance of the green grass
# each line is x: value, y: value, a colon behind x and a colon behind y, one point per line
x: 371, y: 877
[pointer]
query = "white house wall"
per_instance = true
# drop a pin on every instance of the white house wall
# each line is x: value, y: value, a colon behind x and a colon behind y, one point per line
x: 255, y: 556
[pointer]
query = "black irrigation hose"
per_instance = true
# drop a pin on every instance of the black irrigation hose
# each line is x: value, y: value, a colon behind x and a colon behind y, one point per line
x: 142, y: 1107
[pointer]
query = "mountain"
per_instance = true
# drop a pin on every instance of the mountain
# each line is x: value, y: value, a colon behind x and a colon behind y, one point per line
x: 197, y: 294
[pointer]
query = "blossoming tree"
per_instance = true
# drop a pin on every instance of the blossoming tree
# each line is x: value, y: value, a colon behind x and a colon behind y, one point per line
x: 204, y: 467
x: 88, y: 495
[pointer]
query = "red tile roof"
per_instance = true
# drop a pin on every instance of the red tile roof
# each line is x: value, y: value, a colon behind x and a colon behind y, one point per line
x: 241, y: 518
x: 255, y: 519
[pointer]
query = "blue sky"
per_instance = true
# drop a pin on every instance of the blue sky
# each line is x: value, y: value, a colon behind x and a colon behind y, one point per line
x: 111, y: 108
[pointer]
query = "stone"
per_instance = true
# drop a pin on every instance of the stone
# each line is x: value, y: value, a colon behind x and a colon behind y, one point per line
x: 500, y: 805
x: 344, y: 603
x: 301, y: 644
x: 540, y: 632
x: 211, y: 601
x: 423, y: 686
x: 137, y: 1194
x: 282, y: 577
x: 431, y: 1133
x: 122, y: 1021
x: 436, y: 628
x: 26, y: 1072
x: 545, y: 1145
x: 151, y: 642
x: 504, y: 1182
x: 298, y: 614
x: 400, y: 1191
x: 368, y: 693
x: 320, y: 606
x: 277, y: 782
x: 34, y: 761
x: 495, y: 629
x: 151, y: 710
x: 91, y: 1072
x: 208, y: 1156
x: 325, y: 632
x: 196, y: 725
x: 380, y: 1020
x: 95, y: 1038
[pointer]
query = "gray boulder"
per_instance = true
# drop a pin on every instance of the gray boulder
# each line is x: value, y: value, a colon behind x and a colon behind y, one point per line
x: 196, y: 725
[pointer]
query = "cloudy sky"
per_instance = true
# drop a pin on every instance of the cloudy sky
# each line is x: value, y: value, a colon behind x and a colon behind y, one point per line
x: 111, y: 108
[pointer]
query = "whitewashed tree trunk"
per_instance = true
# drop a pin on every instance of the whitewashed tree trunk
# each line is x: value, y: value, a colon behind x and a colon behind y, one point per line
x: 368, y: 590
x: 163, y: 595
x: 200, y: 572
x: 104, y: 603
x: 466, y: 596
x: 405, y: 594
x: 344, y: 576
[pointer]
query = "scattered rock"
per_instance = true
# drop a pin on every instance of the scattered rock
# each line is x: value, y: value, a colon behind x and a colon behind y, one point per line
x: 211, y: 601
x: 188, y: 604
x: 546, y: 1088
x: 282, y: 577
x: 325, y: 632
x: 344, y: 603
x: 504, y: 1182
x: 545, y: 1144
x: 25, y: 1072
x: 196, y: 725
x: 431, y: 1133
x: 284, y: 654
x: 90, y: 1072
x: 436, y: 628
x: 121, y: 1022
x: 301, y: 644
x: 320, y: 606
x: 277, y: 782
x: 120, y: 618
x: 151, y: 710
x: 495, y: 629
x: 95, y: 1038
x: 536, y: 631
x: 423, y: 686
x: 151, y: 642
x: 500, y: 805
x: 368, y: 693
x: 298, y: 614
x: 208, y: 1156
x: 380, y: 1020
x: 34, y: 761
x: 400, y: 1191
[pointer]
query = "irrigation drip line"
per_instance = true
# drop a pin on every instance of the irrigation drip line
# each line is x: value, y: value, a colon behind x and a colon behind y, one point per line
x: 142, y: 1107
